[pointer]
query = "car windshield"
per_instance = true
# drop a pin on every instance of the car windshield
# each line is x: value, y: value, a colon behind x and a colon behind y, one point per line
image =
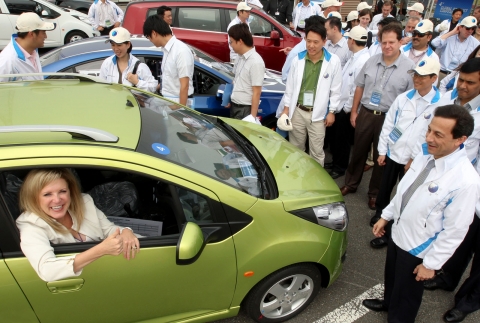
x: 184, y: 137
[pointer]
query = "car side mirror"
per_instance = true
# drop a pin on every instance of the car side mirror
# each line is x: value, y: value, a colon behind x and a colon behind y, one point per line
x: 190, y: 244
x: 274, y: 34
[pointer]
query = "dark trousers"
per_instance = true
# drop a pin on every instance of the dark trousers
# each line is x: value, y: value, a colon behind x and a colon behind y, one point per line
x: 106, y: 31
x: 238, y: 111
x: 367, y: 131
x: 454, y: 268
x: 339, y: 138
x: 467, y: 298
x: 403, y: 294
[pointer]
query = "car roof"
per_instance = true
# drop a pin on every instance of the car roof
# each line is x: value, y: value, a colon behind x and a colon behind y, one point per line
x: 69, y: 103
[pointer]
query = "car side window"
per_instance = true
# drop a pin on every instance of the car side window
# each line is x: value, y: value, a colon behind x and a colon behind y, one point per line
x: 199, y: 19
x: 153, y: 11
x: 195, y: 207
x: 259, y: 26
x: 89, y: 68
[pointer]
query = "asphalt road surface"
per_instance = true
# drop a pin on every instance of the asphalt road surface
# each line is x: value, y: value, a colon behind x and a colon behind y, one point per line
x: 363, y: 273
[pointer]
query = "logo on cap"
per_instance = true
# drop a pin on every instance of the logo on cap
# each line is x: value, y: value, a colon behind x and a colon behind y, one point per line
x: 473, y: 20
x: 420, y: 24
x: 114, y: 33
x: 329, y: 15
x: 422, y: 63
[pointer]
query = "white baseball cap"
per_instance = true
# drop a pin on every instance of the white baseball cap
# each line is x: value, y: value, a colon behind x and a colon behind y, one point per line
x: 338, y: 15
x: 469, y: 22
x: 243, y: 6
x: 353, y: 15
x: 357, y: 33
x: 427, y: 66
x: 424, y: 26
x: 119, y: 35
x: 417, y: 6
x: 363, y: 5
x: 330, y: 3
x: 284, y: 123
x: 30, y: 21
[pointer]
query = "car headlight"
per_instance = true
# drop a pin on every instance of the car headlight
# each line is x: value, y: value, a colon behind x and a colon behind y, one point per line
x: 333, y: 216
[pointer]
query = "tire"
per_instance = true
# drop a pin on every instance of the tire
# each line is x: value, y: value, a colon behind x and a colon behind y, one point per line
x: 283, y: 294
x: 74, y: 36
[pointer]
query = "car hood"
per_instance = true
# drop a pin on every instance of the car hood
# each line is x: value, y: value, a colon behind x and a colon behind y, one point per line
x: 301, y: 181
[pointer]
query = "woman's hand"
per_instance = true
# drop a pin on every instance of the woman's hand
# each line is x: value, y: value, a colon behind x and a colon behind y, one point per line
x: 113, y: 244
x: 132, y: 78
x: 131, y: 245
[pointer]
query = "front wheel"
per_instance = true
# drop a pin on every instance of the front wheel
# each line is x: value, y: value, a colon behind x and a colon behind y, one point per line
x: 75, y: 36
x: 283, y: 294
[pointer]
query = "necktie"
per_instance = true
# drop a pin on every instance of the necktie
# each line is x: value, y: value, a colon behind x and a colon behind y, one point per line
x: 416, y: 183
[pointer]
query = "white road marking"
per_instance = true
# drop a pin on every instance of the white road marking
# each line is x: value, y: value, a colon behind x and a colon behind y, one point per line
x: 353, y: 310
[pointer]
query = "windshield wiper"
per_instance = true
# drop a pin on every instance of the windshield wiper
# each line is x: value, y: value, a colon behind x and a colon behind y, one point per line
x: 253, y: 155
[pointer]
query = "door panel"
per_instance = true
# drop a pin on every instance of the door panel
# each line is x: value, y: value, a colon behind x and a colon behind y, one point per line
x: 6, y: 30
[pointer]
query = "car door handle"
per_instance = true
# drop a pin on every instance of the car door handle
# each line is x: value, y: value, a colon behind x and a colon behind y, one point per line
x: 67, y: 285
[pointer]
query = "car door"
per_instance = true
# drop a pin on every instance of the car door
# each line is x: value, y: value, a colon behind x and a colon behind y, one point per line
x: 153, y: 285
x: 202, y: 28
x: 17, y: 7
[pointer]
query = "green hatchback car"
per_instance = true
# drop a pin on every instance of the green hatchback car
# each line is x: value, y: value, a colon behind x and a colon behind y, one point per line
x: 231, y: 214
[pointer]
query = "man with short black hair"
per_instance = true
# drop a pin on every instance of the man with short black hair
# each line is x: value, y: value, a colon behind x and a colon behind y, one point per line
x: 386, y: 9
x: 336, y: 43
x: 177, y: 63
x: 249, y: 72
x: 376, y: 47
x: 383, y: 77
x: 165, y: 13
x: 312, y: 93
x: 432, y: 210
x: 20, y: 55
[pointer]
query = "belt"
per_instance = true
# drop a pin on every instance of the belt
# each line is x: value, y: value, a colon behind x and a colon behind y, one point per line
x: 240, y: 105
x: 301, y: 29
x: 445, y: 72
x: 375, y: 112
x: 304, y: 108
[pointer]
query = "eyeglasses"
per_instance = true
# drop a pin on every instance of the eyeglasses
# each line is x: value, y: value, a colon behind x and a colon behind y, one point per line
x: 418, y: 34
x: 470, y: 28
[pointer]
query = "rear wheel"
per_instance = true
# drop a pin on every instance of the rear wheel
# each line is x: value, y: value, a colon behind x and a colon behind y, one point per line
x: 283, y: 294
x: 75, y: 36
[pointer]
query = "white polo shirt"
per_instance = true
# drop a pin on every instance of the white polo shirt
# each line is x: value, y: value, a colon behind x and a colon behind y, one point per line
x: 177, y: 62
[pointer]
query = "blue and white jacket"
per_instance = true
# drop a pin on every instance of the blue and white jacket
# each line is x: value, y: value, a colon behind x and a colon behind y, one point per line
x: 430, y: 53
x: 314, y: 10
x: 13, y: 61
x: 94, y: 17
x: 109, y: 72
x: 327, y: 95
x: 437, y: 216
x: 412, y: 121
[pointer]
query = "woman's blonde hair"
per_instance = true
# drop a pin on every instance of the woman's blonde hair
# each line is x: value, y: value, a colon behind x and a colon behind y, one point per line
x: 36, y: 180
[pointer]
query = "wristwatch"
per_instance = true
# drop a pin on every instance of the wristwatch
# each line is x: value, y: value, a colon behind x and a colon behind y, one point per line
x: 332, y: 111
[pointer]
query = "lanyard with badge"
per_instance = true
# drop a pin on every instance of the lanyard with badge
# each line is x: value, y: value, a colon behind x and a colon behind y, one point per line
x: 397, y: 131
x: 377, y: 92
x: 309, y: 95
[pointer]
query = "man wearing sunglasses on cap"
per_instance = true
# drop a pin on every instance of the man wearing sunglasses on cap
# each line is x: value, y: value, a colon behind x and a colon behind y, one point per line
x: 457, y: 45
x: 419, y: 47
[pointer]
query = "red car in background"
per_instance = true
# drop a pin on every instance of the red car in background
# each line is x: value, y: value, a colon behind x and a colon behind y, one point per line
x: 203, y: 24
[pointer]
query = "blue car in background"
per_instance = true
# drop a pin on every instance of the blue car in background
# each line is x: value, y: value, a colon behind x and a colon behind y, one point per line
x: 209, y: 79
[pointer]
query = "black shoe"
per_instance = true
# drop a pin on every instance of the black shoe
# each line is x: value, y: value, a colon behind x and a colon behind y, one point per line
x: 375, y: 304
x: 378, y: 243
x: 374, y: 220
x: 435, y: 283
x: 328, y: 165
x: 335, y: 174
x: 454, y: 315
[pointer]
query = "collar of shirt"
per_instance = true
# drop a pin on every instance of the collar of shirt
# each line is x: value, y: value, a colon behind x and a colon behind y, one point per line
x: 168, y: 46
x: 427, y: 98
x: 248, y: 53
x: 359, y: 53
x: 396, y: 63
x: 32, y: 58
x: 445, y: 163
x: 342, y: 42
x: 473, y: 104
x: 307, y: 58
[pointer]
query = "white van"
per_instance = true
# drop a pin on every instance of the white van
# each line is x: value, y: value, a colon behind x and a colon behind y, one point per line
x: 71, y: 25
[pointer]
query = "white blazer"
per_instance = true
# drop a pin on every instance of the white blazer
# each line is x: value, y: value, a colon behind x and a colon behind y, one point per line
x: 314, y: 10
x: 13, y: 61
x: 327, y: 95
x: 36, y: 236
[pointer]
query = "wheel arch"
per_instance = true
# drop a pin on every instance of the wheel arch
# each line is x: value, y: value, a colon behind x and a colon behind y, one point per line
x: 74, y: 31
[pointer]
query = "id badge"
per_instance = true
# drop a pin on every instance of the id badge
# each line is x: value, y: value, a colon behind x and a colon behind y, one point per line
x: 277, y: 13
x: 308, y: 99
x: 453, y: 64
x: 108, y: 23
x: 376, y: 97
x: 395, y: 134
x: 301, y: 23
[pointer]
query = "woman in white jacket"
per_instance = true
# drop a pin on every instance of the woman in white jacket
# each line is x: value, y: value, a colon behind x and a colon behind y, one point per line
x: 54, y: 211
x: 124, y: 68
